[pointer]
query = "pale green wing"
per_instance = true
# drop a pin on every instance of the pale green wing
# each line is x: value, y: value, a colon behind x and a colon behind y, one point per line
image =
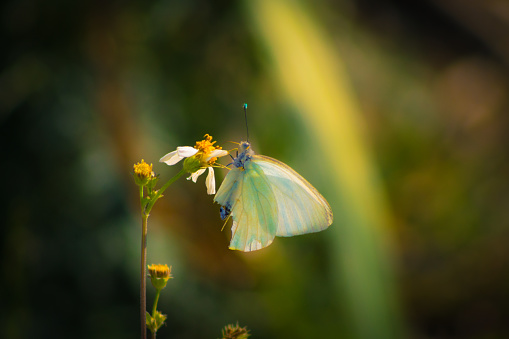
x: 301, y: 208
x: 229, y: 187
x: 253, y: 208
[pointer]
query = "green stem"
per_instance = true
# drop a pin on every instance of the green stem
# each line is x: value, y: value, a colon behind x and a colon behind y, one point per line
x: 156, y: 299
x: 143, y: 276
x: 162, y: 189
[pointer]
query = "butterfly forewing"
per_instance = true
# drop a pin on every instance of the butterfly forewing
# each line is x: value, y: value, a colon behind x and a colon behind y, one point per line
x: 229, y: 192
x: 253, y: 209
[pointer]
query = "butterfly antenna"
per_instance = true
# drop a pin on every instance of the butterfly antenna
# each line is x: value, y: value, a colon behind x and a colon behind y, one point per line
x: 245, y: 116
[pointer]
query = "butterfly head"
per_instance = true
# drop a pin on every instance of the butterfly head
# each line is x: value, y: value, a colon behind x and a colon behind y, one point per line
x: 245, y: 153
x: 244, y: 146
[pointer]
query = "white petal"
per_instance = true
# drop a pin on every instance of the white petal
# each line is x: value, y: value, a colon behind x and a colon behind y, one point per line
x: 216, y: 154
x: 167, y: 156
x: 196, y: 174
x: 186, y: 151
x: 210, y: 182
x: 171, y: 158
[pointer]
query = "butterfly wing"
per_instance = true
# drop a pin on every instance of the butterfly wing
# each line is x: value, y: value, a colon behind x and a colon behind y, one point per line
x: 301, y: 208
x: 228, y: 191
x: 247, y: 194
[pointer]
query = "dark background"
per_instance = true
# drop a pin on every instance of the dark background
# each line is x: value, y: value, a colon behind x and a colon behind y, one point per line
x: 88, y: 88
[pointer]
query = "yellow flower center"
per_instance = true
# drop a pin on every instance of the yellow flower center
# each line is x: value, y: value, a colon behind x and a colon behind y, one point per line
x: 142, y: 169
x: 206, y: 146
x: 159, y: 271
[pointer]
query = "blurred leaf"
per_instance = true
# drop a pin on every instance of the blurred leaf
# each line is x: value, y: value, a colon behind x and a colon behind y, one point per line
x: 312, y: 78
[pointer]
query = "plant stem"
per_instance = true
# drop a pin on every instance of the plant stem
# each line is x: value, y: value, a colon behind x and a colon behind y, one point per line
x: 145, y: 210
x: 154, y: 309
x: 143, y: 277
x: 156, y: 299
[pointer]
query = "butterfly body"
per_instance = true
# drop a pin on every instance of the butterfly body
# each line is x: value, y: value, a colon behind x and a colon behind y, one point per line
x: 266, y: 198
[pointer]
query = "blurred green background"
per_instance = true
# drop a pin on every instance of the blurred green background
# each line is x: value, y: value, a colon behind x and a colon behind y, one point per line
x: 396, y: 112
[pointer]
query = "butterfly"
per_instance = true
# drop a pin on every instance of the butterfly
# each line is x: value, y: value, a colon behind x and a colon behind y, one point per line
x: 266, y: 198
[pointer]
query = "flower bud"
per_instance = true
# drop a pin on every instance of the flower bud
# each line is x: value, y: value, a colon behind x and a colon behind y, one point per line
x: 154, y: 323
x: 235, y: 332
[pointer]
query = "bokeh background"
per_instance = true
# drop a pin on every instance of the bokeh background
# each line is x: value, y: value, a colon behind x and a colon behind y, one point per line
x: 396, y: 111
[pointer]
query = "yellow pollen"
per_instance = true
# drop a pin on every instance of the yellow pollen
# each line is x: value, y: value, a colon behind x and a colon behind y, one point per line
x: 207, y: 145
x: 159, y: 271
x: 142, y: 169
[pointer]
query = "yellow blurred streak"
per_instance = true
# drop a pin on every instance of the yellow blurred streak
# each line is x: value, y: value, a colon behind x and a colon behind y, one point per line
x: 311, y: 75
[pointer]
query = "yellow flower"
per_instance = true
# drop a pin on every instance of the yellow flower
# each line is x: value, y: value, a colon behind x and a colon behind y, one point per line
x: 143, y: 172
x: 200, y: 157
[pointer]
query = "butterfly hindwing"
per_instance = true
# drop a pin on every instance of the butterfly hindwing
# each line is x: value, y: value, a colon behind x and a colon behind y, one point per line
x: 301, y: 208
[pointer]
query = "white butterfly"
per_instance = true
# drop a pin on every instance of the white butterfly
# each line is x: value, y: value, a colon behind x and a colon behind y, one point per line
x: 266, y: 198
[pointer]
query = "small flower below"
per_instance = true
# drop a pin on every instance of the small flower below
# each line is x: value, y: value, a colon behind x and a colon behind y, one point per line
x: 159, y: 275
x: 159, y: 271
x: 198, y: 158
